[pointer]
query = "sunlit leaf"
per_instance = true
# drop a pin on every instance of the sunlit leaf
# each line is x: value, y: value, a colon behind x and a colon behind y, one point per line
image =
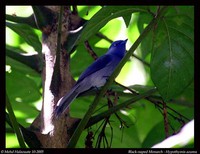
x: 27, y: 33
x: 22, y: 86
x: 104, y: 15
x: 127, y: 19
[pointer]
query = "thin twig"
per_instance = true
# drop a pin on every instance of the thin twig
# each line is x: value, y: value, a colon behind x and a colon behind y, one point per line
x: 154, y: 100
x: 165, y: 120
x: 90, y: 50
x: 104, y: 37
x: 158, y: 101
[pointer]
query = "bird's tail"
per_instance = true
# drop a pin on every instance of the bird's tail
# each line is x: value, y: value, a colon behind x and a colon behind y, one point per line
x: 65, y: 101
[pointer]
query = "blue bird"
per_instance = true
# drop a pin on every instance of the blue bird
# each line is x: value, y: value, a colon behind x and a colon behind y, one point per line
x: 95, y: 75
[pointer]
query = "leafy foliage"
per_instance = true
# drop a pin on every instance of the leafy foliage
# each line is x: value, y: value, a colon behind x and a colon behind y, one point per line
x: 168, y: 48
x: 172, y: 63
x: 26, y: 32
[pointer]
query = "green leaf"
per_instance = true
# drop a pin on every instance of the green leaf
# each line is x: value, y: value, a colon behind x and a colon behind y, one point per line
x: 14, y: 123
x: 25, y: 20
x: 140, y: 88
x: 33, y: 61
x: 155, y: 135
x: 29, y: 137
x: 22, y: 86
x: 123, y: 137
x: 146, y: 45
x: 27, y: 33
x: 172, y: 61
x: 127, y: 19
x: 104, y: 15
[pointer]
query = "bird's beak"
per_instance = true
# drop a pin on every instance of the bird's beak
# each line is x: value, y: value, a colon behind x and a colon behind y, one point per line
x: 125, y: 43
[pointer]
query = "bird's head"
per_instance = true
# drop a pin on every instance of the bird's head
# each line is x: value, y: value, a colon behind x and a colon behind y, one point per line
x: 118, y: 48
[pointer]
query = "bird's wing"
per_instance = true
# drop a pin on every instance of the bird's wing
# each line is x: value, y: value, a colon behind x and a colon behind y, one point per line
x: 97, y: 65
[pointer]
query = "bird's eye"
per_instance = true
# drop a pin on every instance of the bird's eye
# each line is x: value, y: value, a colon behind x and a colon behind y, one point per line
x: 115, y: 44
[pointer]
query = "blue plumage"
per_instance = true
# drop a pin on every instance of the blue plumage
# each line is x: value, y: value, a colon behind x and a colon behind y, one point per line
x: 95, y: 75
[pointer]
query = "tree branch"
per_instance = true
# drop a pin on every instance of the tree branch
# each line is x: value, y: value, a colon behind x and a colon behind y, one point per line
x: 50, y: 132
x: 56, y: 78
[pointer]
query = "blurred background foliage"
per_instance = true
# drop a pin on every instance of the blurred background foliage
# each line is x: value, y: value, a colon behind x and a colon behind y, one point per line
x: 143, y: 122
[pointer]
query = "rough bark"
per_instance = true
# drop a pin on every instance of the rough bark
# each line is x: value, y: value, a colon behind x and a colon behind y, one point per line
x: 53, y: 133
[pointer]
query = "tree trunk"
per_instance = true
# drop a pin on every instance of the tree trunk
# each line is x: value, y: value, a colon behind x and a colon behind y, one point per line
x: 53, y: 133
